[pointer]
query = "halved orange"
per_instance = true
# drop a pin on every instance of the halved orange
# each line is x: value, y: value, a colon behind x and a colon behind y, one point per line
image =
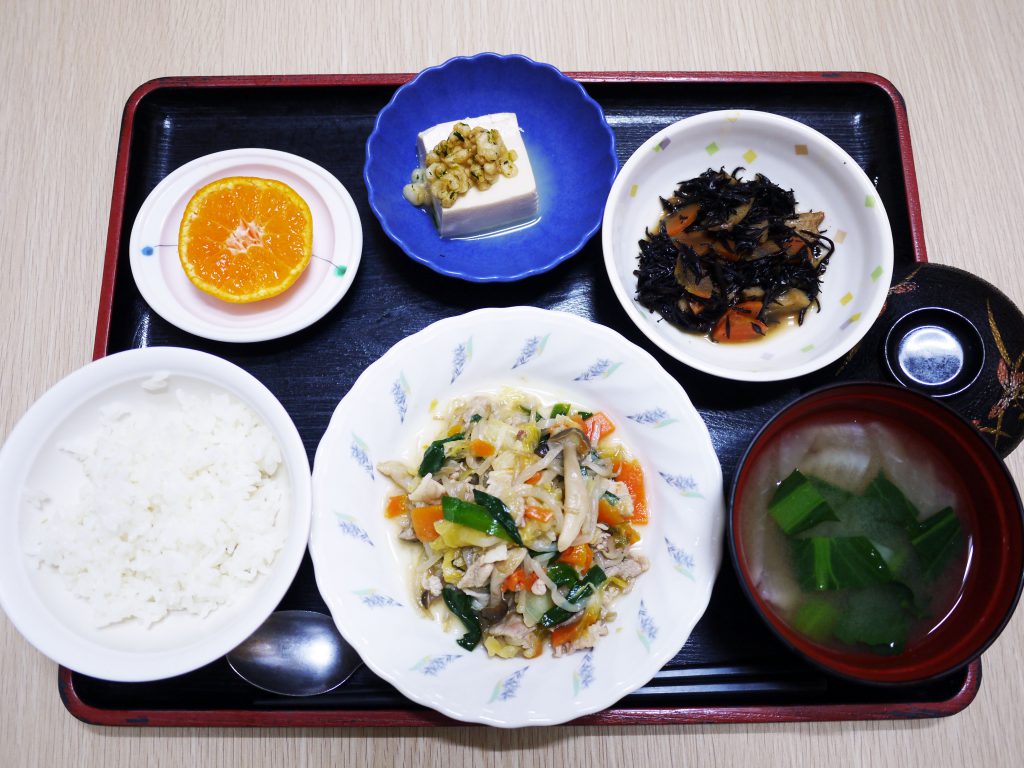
x: 244, y: 239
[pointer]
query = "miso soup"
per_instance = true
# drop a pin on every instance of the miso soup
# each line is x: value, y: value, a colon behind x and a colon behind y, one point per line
x: 855, y: 533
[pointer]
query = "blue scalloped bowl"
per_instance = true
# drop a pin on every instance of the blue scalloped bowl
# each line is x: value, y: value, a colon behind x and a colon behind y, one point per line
x: 571, y: 149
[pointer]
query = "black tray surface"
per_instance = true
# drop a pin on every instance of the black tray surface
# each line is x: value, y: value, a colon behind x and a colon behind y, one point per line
x: 731, y: 659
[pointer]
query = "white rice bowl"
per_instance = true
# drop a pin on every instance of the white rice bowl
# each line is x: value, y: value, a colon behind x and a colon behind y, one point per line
x: 152, y: 522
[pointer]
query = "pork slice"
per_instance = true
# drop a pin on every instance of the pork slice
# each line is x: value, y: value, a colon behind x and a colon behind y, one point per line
x: 630, y: 567
x: 512, y: 627
x: 428, y: 490
x: 586, y: 640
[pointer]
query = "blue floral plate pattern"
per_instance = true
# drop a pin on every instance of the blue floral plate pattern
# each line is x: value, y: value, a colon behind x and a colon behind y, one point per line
x: 362, y: 569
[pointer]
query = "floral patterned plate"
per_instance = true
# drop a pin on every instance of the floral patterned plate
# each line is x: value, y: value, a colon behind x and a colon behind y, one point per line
x: 823, y: 178
x: 361, y: 566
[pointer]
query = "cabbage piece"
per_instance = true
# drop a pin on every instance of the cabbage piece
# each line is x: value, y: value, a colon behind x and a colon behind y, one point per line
x: 848, y: 468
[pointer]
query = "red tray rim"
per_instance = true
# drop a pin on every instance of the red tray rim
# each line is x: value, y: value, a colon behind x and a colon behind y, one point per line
x: 405, y: 718
x: 416, y: 717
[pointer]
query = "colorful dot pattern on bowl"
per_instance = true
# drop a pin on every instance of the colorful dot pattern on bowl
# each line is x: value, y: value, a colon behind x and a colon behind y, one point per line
x: 853, y: 319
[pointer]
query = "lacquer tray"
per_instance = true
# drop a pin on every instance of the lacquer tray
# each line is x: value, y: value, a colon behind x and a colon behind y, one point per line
x: 732, y: 669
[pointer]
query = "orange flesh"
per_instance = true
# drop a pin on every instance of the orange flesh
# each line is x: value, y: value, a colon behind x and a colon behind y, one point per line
x: 245, y: 239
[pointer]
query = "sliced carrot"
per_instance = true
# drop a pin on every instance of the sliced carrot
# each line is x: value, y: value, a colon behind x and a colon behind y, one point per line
x: 725, y: 252
x: 578, y: 421
x: 534, y: 478
x: 740, y: 323
x: 608, y: 513
x: 631, y: 475
x: 566, y: 634
x: 481, y: 448
x: 518, y: 580
x: 423, y: 519
x: 454, y: 430
x: 699, y: 241
x: 597, y: 427
x: 563, y: 635
x: 540, y: 514
x: 681, y: 219
x: 397, y: 505
x: 581, y: 557
x: 794, y: 245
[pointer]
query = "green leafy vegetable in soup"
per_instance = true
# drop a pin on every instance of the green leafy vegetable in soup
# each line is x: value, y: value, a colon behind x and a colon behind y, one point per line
x: 859, y: 544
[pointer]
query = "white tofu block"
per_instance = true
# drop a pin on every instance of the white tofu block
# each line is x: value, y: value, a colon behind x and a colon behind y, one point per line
x: 506, y: 203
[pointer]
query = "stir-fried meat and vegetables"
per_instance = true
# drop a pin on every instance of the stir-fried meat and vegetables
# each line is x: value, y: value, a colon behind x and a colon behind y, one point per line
x: 523, y: 518
x: 732, y: 258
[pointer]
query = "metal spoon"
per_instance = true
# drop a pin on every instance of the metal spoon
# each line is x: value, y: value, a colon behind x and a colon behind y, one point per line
x: 295, y: 653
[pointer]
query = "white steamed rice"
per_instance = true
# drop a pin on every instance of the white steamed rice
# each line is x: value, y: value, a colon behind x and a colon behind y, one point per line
x: 185, y: 501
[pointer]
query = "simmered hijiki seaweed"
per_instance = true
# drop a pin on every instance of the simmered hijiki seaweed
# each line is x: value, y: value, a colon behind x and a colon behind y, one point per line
x: 731, y: 257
